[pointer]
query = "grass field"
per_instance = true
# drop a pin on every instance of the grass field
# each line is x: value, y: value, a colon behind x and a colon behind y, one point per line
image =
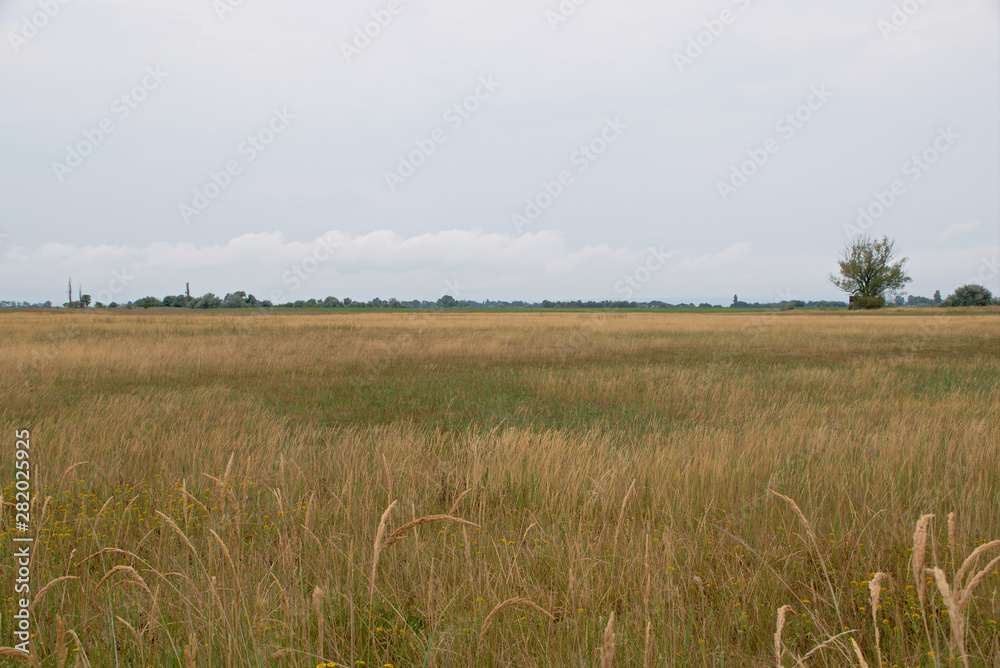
x: 219, y: 489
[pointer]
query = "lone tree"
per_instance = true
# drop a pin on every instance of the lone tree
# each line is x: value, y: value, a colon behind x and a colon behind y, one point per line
x: 867, y: 272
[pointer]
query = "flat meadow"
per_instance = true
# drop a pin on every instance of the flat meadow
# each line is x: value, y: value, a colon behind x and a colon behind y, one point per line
x: 505, y: 488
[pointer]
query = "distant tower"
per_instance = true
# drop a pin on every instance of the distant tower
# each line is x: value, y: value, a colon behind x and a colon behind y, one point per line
x: 80, y: 300
x: 70, y: 293
x: 188, y: 290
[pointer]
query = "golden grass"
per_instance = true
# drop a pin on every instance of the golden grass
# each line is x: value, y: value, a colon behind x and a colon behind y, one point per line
x: 210, y: 473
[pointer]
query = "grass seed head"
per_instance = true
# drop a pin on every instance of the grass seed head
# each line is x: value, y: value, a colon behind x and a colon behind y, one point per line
x: 608, y: 651
x: 857, y: 652
x: 378, y: 546
x: 62, y: 651
x: 191, y: 652
x: 954, y: 610
x: 779, y: 628
x: 919, y: 551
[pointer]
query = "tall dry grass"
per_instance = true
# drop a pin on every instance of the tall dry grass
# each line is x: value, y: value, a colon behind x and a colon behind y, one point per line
x: 569, y: 489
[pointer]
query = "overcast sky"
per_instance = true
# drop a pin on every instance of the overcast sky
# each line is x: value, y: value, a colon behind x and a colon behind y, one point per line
x: 589, y: 149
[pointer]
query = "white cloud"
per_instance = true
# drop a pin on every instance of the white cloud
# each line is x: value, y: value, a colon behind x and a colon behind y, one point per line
x: 381, y: 263
x: 959, y: 230
x: 714, y: 260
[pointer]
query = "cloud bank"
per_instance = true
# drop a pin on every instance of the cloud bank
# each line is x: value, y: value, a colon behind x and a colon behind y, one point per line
x: 468, y: 264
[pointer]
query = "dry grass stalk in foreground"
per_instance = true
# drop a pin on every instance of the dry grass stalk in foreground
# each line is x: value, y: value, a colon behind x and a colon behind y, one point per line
x: 317, y: 599
x: 645, y: 646
x: 381, y: 545
x: 819, y: 554
x: 81, y: 657
x: 875, y: 589
x: 127, y: 570
x: 919, y: 551
x: 608, y: 649
x: 378, y: 547
x: 62, y: 650
x: 398, y: 534
x: 621, y: 512
x: 500, y: 607
x: 956, y: 598
x: 191, y: 652
x: 779, y: 627
x: 857, y: 652
x: 50, y: 585
x: 11, y: 653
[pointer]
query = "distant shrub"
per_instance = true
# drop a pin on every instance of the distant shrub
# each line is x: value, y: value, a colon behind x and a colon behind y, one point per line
x: 866, y: 302
x: 149, y: 302
x: 970, y: 295
x: 236, y: 299
x: 206, y: 301
x: 913, y: 300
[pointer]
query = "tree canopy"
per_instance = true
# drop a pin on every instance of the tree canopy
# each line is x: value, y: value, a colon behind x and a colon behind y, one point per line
x: 868, y: 271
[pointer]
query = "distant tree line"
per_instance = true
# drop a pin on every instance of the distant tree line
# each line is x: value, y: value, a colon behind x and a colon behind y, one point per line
x: 967, y: 295
x: 787, y: 305
x: 16, y: 304
x: 241, y: 299
x: 919, y: 302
